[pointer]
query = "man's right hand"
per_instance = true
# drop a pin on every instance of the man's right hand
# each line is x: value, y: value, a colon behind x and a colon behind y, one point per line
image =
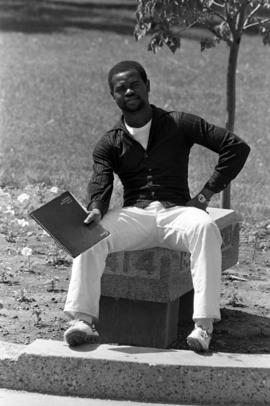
x: 93, y: 215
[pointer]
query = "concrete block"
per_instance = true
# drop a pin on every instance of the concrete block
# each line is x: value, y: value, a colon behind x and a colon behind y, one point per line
x: 162, y: 275
x: 186, y: 308
x: 155, y: 274
x: 144, y: 374
x: 9, y: 354
x: 138, y: 322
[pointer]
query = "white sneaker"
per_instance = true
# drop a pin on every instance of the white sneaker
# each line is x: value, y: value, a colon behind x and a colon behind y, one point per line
x: 80, y: 333
x: 199, y: 339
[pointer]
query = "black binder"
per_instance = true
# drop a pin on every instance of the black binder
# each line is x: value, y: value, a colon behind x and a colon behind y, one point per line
x: 63, y: 218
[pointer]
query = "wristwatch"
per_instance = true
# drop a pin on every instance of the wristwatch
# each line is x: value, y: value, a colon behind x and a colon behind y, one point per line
x: 202, y: 199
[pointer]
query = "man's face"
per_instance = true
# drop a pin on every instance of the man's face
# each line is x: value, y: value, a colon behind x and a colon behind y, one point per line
x: 129, y: 91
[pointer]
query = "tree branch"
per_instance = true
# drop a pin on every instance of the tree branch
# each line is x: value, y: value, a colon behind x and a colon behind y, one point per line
x: 188, y: 27
x: 218, y: 5
x: 220, y: 16
x: 216, y: 13
x: 241, y: 17
x: 229, y: 20
x: 251, y: 14
x: 259, y: 22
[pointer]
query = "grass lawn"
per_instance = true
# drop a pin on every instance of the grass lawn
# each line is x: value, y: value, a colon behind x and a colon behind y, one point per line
x: 55, y: 102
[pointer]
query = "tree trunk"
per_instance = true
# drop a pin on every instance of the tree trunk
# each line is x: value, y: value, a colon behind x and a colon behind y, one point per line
x: 230, y: 100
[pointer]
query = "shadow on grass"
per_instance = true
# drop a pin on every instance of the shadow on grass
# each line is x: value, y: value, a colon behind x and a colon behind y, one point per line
x: 49, y: 16
x: 56, y: 16
x: 237, y: 332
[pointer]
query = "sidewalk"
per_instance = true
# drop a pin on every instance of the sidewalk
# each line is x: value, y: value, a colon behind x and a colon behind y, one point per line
x: 134, y: 375
x: 19, y: 398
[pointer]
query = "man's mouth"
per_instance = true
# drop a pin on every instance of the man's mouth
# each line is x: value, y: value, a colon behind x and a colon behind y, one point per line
x: 132, y: 99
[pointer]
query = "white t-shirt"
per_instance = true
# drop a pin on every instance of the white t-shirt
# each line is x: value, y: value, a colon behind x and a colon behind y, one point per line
x: 140, y: 134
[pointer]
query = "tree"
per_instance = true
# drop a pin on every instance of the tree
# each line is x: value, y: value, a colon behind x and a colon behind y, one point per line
x: 226, y: 20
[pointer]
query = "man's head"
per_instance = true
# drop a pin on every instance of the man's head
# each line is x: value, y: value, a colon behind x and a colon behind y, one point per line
x: 125, y: 66
x: 129, y: 86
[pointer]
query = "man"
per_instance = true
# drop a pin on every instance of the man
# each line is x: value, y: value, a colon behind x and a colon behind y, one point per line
x: 149, y: 150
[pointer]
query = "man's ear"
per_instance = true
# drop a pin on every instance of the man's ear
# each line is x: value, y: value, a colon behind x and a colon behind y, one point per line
x: 148, y: 85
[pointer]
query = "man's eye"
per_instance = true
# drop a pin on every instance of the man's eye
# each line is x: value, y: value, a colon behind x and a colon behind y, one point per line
x: 120, y: 89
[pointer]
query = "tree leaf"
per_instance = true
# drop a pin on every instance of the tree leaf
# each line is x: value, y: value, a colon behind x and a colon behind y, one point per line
x: 141, y: 30
x: 207, y: 43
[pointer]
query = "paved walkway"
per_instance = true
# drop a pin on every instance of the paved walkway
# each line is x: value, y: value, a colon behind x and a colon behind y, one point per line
x: 127, y: 372
x: 18, y: 398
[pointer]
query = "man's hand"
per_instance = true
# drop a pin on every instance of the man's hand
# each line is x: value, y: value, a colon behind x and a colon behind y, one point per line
x: 93, y: 215
x: 196, y: 203
x: 201, y: 200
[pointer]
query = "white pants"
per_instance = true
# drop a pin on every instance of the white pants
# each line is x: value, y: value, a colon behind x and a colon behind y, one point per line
x: 178, y: 228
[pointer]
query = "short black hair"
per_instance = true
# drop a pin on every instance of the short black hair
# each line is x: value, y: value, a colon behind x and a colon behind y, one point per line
x: 125, y: 66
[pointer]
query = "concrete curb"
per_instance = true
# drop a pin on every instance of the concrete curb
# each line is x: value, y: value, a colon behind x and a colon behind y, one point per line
x: 136, y: 373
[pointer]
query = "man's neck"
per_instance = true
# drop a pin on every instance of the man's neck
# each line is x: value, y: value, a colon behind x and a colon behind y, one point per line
x: 139, y: 118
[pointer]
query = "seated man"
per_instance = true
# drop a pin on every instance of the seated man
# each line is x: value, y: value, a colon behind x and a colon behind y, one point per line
x: 149, y: 150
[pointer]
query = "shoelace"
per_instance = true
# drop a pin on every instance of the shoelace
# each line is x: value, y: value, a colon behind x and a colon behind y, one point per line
x: 73, y: 322
x: 203, y: 333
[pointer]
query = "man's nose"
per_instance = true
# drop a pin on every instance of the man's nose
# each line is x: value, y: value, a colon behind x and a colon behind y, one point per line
x: 129, y: 91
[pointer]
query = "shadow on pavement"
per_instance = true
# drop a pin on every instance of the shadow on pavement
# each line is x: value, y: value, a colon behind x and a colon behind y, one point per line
x: 237, y: 332
x: 49, y: 16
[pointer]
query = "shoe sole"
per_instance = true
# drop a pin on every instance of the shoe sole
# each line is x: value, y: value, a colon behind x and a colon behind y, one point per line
x: 195, y: 345
x: 76, y: 338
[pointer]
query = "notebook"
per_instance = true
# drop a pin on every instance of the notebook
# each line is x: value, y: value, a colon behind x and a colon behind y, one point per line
x: 63, y: 218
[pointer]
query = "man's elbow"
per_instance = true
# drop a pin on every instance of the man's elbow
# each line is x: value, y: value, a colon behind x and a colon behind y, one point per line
x: 243, y: 150
x: 246, y: 150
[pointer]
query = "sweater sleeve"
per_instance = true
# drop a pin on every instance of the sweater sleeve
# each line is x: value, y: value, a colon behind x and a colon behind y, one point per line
x: 100, y: 186
x: 232, y: 150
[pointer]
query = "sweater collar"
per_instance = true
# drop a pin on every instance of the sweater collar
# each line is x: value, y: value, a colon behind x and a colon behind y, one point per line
x: 157, y: 113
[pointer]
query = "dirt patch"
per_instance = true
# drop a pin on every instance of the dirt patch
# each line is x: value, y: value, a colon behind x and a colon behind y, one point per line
x: 34, y: 277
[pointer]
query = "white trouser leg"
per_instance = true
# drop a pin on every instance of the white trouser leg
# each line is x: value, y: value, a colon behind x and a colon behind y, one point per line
x: 82, y: 300
x: 131, y: 229
x: 192, y: 230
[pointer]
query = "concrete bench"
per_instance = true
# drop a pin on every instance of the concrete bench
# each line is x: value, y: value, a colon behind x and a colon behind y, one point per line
x: 146, y: 293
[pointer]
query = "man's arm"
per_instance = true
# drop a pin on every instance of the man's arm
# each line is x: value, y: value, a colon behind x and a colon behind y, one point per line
x: 100, y: 187
x: 202, y: 199
x: 232, y: 150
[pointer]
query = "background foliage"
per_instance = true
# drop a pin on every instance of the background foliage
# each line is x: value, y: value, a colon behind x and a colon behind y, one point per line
x: 55, y: 102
